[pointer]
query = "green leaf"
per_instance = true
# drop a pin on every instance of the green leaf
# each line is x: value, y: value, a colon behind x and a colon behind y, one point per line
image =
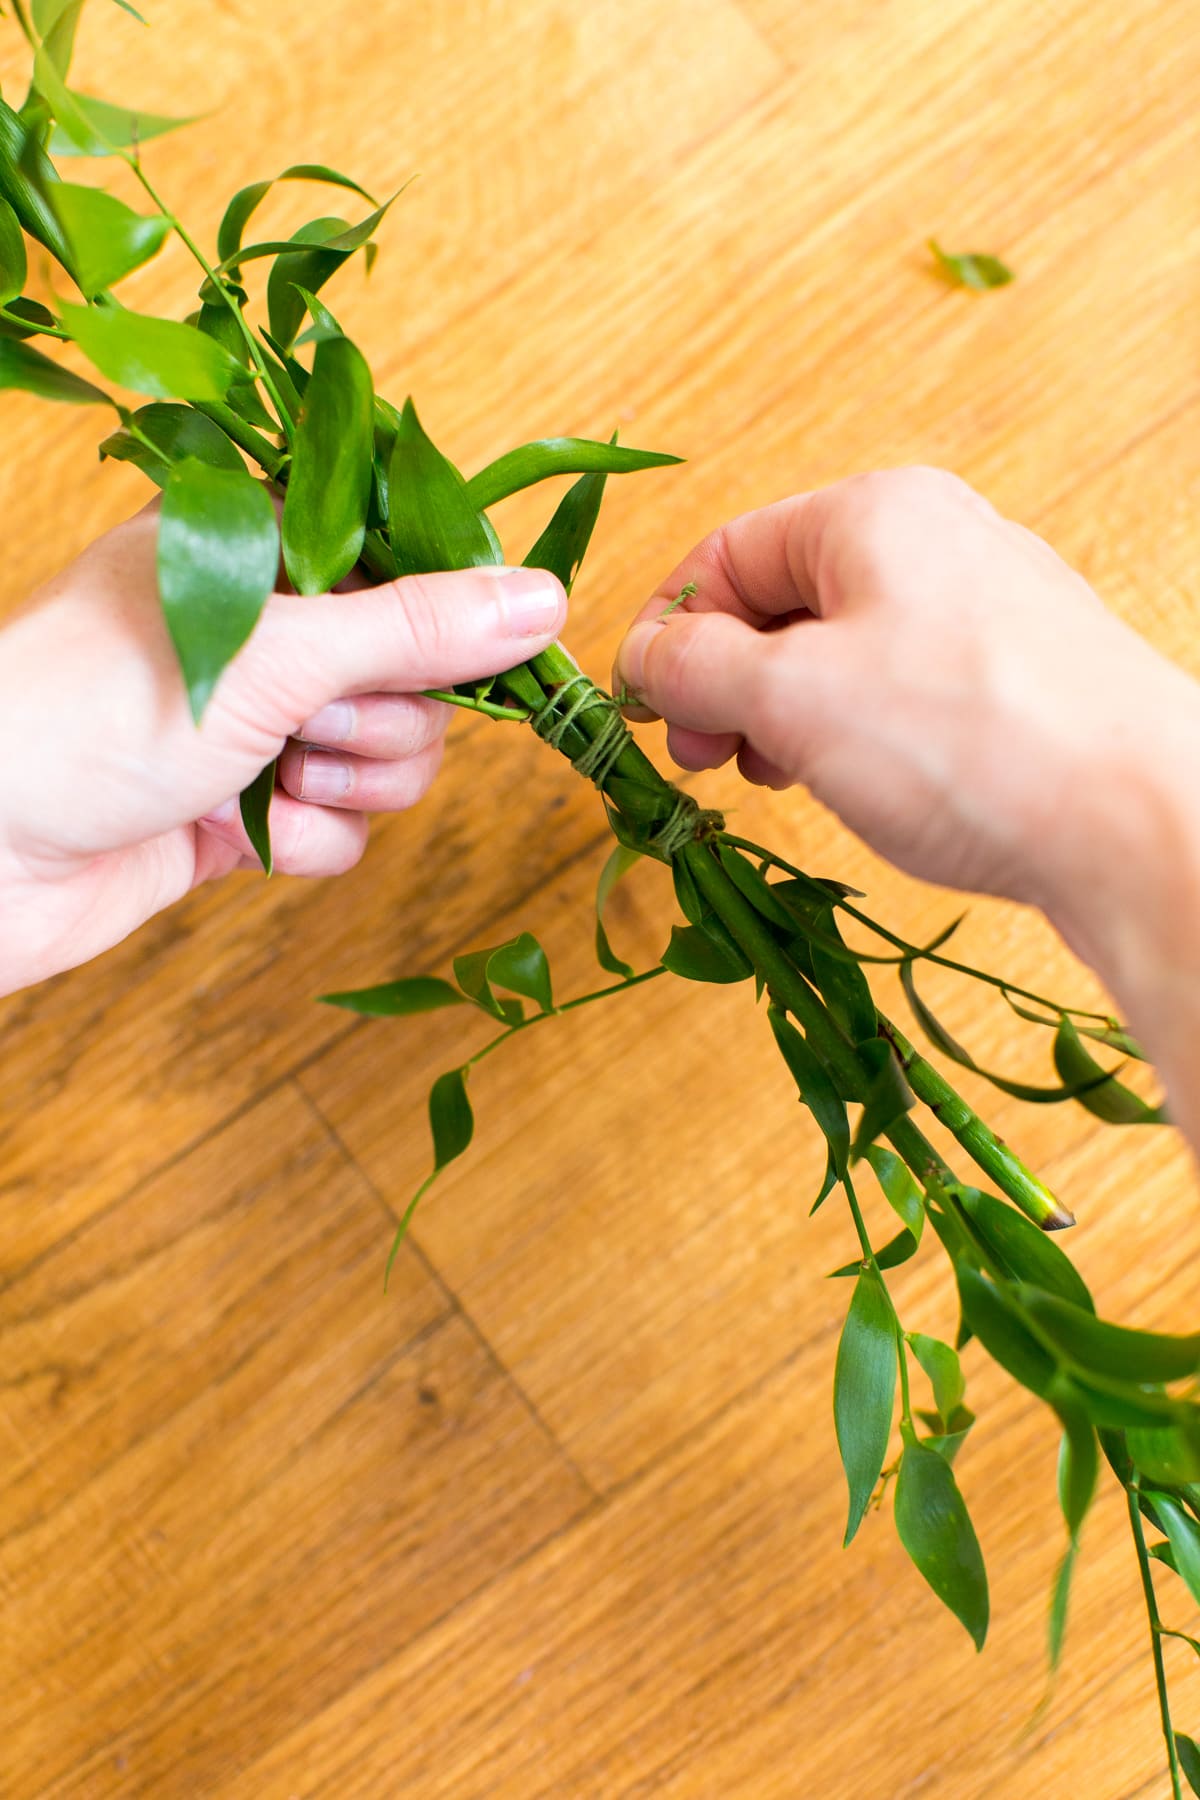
x: 1001, y: 1330
x: 563, y: 545
x: 1078, y: 1465
x: 247, y: 199
x: 950, y: 1440
x: 522, y: 968
x: 26, y: 174
x: 843, y: 986
x: 1169, y: 1453
x: 218, y: 555
x: 84, y: 132
x: 329, y: 488
x: 888, y: 1096
x: 1183, y: 1535
x: 450, y: 1117
x: 943, y: 1369
x: 900, y: 1249
x: 1107, y: 1098
x: 618, y: 864
x: 111, y: 127
x: 1111, y: 1033
x: 433, y: 523
x: 1059, y: 1600
x: 1114, y: 1350
x: 26, y: 318
x: 255, y: 811
x: 935, y: 1529
x: 13, y: 263
x: 152, y: 356
x: 972, y: 270
x: 21, y: 366
x: 694, y: 954
x: 536, y: 462
x: 816, y: 1088
x: 399, y: 999
x: 324, y: 325
x: 1021, y: 1250
x: 175, y: 432
x: 864, y: 1391
x: 1188, y: 1753
x: 899, y: 1189
x: 754, y: 887
x: 56, y: 22
x: 108, y: 238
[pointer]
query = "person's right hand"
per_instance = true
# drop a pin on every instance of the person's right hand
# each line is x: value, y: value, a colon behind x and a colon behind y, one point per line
x: 932, y: 672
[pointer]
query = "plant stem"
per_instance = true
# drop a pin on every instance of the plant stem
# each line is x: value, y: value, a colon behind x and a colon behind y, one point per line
x: 35, y: 330
x: 264, y: 453
x: 134, y: 162
x: 539, y: 1018
x: 1160, y: 1672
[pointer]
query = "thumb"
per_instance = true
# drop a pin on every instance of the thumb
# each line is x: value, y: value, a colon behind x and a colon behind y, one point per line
x: 708, y: 672
x: 420, y: 631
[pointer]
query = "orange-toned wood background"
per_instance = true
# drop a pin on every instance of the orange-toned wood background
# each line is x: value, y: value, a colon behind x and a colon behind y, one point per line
x: 560, y: 1514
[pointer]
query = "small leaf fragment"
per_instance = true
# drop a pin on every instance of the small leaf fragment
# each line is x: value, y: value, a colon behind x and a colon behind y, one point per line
x: 974, y: 269
x: 399, y: 999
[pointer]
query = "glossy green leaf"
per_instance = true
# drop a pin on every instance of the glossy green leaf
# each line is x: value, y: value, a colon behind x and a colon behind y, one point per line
x: 843, y: 986
x: 935, y: 1529
x: 522, y: 968
x: 888, y: 1096
x: 118, y: 127
x: 246, y: 200
x: 218, y: 556
x: 1078, y: 1466
x: 26, y: 318
x: 1107, y: 1098
x: 56, y: 22
x: 754, y: 887
x: 324, y: 325
x: 864, y: 1391
x: 21, y: 366
x: 450, y: 1117
x: 899, y: 1189
x: 26, y: 173
x: 399, y: 999
x: 152, y: 356
x: 1188, y: 1752
x: 433, y: 523
x: 108, y: 238
x: 329, y: 487
x: 1111, y: 1034
x: 816, y: 1088
x: 255, y: 807
x: 1112, y: 1350
x: 973, y: 270
x: 999, y: 1327
x: 84, y: 132
x: 1112, y: 1405
x: 175, y: 432
x: 1169, y: 1454
x: 531, y: 463
x: 943, y: 1368
x: 1020, y: 1249
x: 617, y: 865
x: 1183, y: 1535
x: 305, y: 262
x: 898, y: 1250
x: 949, y: 1441
x: 1059, y: 1600
x: 563, y: 545
x: 696, y: 956
x: 13, y: 263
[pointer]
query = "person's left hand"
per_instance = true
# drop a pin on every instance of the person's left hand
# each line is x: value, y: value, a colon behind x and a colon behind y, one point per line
x: 113, y: 803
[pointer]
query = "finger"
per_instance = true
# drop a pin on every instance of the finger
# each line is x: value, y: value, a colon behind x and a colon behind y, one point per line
x: 754, y: 766
x: 305, y: 839
x: 388, y: 726
x: 701, y: 750
x: 361, y: 784
x: 421, y: 631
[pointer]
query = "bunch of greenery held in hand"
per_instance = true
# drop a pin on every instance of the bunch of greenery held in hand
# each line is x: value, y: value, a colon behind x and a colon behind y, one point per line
x: 361, y: 483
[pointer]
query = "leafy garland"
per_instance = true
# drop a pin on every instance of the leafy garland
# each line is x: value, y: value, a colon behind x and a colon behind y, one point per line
x: 361, y: 482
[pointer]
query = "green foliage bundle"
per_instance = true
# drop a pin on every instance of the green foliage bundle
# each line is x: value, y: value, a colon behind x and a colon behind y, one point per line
x: 238, y: 411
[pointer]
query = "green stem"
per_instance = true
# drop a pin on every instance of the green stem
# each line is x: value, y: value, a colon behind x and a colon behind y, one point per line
x: 488, y: 708
x: 264, y: 453
x: 1160, y: 1672
x: 133, y: 161
x: 539, y: 1018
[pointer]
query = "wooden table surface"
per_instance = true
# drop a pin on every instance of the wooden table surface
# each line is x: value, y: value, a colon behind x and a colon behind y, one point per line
x: 560, y: 1514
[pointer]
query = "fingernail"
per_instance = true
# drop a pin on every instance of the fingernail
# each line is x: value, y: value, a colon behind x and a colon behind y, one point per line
x: 324, y: 777
x: 532, y: 602
x: 334, y: 724
x: 631, y: 657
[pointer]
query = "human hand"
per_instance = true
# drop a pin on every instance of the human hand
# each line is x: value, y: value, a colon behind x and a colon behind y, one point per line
x: 932, y: 672
x: 113, y: 803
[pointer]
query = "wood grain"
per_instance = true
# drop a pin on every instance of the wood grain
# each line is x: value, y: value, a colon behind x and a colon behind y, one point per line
x: 559, y: 1517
